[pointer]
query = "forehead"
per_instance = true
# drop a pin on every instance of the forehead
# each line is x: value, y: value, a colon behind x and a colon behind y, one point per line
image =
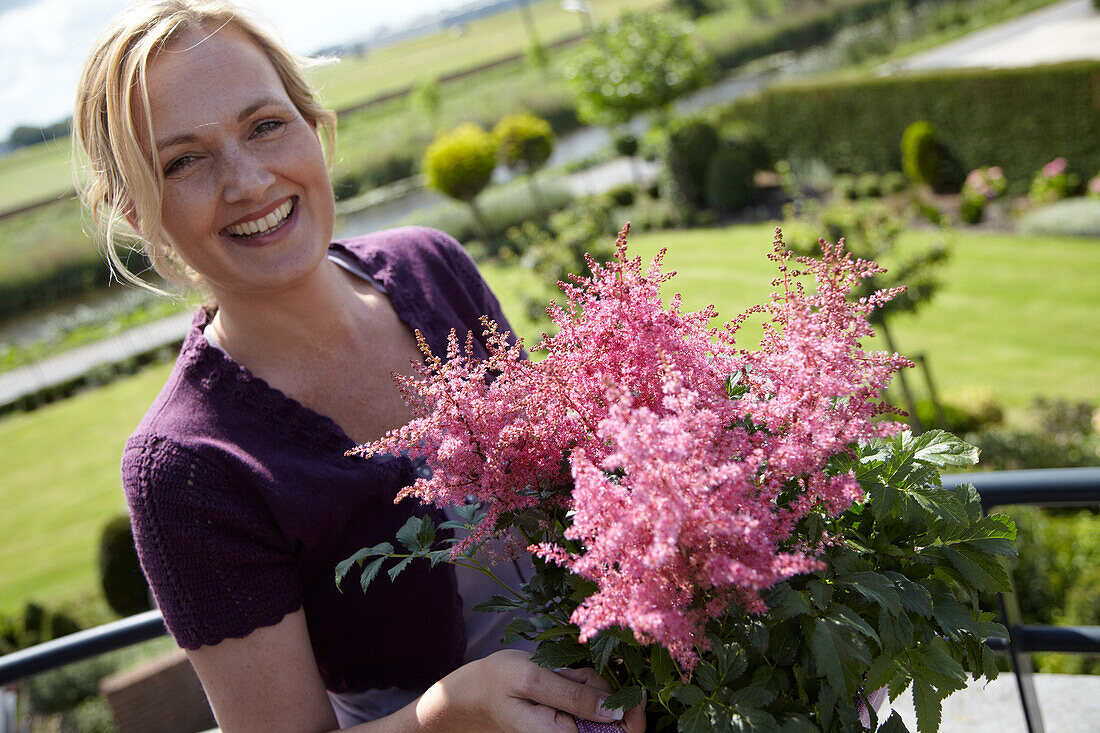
x: 202, y: 76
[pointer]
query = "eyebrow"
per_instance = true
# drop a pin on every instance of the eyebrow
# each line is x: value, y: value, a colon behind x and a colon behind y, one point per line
x: 190, y: 137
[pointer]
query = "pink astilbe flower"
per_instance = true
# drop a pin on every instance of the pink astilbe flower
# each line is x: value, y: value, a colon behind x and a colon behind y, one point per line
x: 683, y: 500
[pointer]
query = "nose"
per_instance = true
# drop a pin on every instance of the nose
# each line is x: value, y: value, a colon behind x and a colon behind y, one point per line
x: 245, y: 176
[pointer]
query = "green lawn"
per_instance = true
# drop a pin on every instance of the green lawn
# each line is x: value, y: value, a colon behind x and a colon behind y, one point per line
x: 1021, y: 315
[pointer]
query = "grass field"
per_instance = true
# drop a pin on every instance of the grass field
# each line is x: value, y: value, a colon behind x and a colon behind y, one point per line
x: 1017, y: 314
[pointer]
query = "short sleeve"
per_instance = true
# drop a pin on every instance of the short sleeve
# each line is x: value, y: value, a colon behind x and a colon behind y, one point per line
x: 217, y: 563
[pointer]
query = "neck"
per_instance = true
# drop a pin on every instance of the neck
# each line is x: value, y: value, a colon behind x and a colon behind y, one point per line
x: 290, y: 322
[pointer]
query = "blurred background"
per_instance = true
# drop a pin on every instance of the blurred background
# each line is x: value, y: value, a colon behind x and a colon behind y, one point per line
x: 954, y: 141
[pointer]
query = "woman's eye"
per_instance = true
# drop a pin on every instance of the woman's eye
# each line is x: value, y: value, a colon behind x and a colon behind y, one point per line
x: 266, y: 127
x: 178, y: 164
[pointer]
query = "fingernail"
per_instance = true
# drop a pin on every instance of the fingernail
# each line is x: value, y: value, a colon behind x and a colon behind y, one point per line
x: 609, y: 713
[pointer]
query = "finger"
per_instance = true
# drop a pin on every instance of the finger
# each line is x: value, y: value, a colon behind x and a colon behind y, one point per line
x: 585, y: 676
x: 577, y: 699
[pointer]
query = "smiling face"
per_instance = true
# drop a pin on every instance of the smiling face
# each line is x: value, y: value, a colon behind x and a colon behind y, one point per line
x: 246, y: 200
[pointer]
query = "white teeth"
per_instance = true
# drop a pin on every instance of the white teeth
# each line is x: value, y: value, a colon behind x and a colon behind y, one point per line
x: 262, y: 224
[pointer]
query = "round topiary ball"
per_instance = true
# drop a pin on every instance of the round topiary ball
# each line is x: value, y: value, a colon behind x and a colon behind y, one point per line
x: 524, y: 141
x: 920, y: 152
x: 124, y: 585
x: 460, y: 163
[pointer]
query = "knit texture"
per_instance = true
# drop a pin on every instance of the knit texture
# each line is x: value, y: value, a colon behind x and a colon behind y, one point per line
x: 243, y: 501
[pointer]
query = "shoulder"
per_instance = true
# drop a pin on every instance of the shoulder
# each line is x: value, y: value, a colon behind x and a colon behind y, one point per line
x: 410, y: 250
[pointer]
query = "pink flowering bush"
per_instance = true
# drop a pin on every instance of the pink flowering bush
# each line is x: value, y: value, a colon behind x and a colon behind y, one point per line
x: 691, y: 504
x: 1052, y: 182
x: 982, y: 185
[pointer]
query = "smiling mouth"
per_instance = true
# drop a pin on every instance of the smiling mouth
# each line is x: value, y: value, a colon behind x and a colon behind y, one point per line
x: 263, y: 225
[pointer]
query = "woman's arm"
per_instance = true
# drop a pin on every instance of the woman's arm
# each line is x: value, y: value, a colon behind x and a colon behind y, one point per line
x: 268, y: 681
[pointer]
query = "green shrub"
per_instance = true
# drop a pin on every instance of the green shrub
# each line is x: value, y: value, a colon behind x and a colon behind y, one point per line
x: 868, y: 185
x: 844, y: 187
x: 1076, y: 217
x: 621, y: 195
x: 1061, y: 436
x: 729, y: 183
x: 524, y: 141
x: 919, y: 152
x: 460, y: 163
x: 855, y: 125
x: 892, y: 182
x: 1053, y: 182
x: 691, y: 144
x: 626, y: 144
x: 64, y: 688
x: 124, y: 585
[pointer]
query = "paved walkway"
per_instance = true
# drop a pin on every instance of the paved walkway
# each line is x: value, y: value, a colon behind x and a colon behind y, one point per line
x: 75, y: 363
x: 1067, y: 703
x: 1065, y: 31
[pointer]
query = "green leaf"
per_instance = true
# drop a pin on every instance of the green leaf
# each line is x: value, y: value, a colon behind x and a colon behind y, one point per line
x: 559, y: 653
x: 602, y: 647
x: 893, y: 724
x: 499, y: 604
x: 342, y: 568
x: 942, y: 504
x: 875, y: 587
x: 846, y: 616
x: 752, y: 696
x: 398, y: 568
x: 661, y: 664
x: 881, y: 670
x: 914, y: 596
x: 518, y: 628
x: 370, y: 572
x: 732, y: 661
x: 690, y: 695
x: 438, y: 556
x: 706, y: 675
x: 409, y: 533
x: 557, y: 632
x: 926, y: 702
x: 836, y: 652
x: 694, y: 720
x: 938, y: 659
x: 626, y: 697
x: 980, y: 569
x: 942, y: 449
x: 953, y: 617
x: 796, y: 723
x: 995, y: 534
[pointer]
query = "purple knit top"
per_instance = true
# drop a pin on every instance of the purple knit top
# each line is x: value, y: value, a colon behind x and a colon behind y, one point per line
x: 243, y: 502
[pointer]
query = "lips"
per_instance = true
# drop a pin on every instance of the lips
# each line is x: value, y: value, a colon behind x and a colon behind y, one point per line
x: 260, y: 225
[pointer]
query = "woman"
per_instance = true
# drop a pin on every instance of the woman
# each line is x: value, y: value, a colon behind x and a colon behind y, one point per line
x: 201, y: 132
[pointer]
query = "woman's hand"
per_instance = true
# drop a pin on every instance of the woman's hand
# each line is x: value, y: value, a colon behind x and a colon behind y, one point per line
x: 508, y: 692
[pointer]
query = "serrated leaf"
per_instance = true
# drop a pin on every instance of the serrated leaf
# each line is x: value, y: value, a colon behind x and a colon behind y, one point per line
x: 942, y: 504
x: 795, y: 723
x: 398, y: 568
x: 343, y: 567
x: 752, y: 696
x: 942, y: 449
x: 914, y: 596
x: 953, y: 617
x: 559, y: 653
x: 499, y: 604
x: 661, y: 664
x: 895, y: 632
x: 939, y: 660
x: 875, y: 587
x: 601, y: 649
x: 694, y: 720
x: 417, y: 533
x: 370, y: 572
x: 893, y: 724
x: 879, y: 673
x: 690, y: 695
x: 732, y: 661
x: 625, y: 698
x: 706, y: 676
x: 835, y: 651
x: 926, y: 702
x: 980, y: 569
x: 557, y: 632
x: 518, y: 628
x: 851, y: 619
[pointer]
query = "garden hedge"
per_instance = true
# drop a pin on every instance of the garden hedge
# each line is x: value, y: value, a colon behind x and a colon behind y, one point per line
x: 1018, y: 119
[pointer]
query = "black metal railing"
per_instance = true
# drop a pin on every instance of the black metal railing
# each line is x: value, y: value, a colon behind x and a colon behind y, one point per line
x: 1045, y: 487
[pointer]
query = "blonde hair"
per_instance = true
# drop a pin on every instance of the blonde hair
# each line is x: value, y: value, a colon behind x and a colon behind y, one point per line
x: 120, y: 179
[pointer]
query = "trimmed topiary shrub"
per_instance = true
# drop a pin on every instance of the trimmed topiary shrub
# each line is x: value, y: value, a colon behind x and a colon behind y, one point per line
x: 626, y: 144
x: 524, y: 141
x: 124, y: 585
x: 920, y: 153
x: 729, y: 184
x: 691, y: 144
x: 460, y: 164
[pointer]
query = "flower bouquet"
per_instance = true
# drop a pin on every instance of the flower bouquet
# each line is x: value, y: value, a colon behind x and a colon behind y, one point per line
x: 741, y: 533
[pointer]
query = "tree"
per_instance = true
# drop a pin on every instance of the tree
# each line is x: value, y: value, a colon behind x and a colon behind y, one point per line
x: 524, y: 143
x: 427, y: 99
x: 460, y: 163
x: 640, y: 63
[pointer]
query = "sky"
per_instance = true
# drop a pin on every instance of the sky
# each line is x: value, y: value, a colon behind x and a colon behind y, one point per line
x: 43, y: 42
